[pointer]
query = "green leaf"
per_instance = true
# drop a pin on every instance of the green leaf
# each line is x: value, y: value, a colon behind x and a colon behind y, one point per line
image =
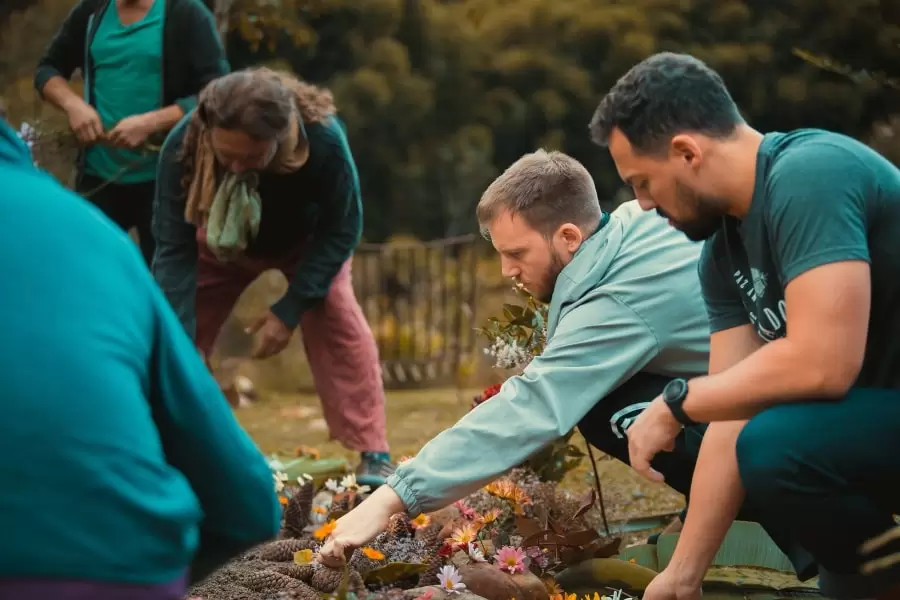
x: 394, y: 572
x: 320, y: 470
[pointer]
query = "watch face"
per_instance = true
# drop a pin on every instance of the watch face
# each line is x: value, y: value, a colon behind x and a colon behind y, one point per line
x: 674, y: 390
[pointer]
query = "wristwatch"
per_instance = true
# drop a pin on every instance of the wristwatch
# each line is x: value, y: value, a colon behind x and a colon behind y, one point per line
x: 673, y: 395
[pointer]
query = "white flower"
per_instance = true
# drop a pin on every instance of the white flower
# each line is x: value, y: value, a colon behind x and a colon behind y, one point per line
x: 275, y: 464
x: 508, y: 354
x: 332, y: 486
x: 280, y: 478
x: 304, y: 479
x: 349, y: 483
x: 475, y: 553
x: 450, y: 579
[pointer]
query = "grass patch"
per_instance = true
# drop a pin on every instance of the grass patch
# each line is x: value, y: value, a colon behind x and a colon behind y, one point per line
x: 280, y: 422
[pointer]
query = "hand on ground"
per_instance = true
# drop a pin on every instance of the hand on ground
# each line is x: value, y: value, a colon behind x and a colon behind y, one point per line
x: 360, y: 525
x: 669, y: 585
x: 272, y: 336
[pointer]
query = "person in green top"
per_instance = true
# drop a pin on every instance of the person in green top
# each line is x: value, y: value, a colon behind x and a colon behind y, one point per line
x: 800, y: 273
x: 141, y: 77
x: 260, y: 176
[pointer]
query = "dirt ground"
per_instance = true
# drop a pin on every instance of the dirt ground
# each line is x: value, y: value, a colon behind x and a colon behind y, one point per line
x: 280, y: 422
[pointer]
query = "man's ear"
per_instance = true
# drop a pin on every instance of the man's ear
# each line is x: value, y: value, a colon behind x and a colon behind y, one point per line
x: 571, y: 236
x: 685, y: 148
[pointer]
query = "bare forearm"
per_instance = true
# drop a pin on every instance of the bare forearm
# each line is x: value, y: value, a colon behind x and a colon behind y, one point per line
x: 164, y: 119
x: 60, y: 94
x: 778, y: 372
x: 716, y: 497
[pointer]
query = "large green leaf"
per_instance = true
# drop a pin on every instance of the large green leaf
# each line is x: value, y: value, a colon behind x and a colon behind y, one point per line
x: 320, y: 469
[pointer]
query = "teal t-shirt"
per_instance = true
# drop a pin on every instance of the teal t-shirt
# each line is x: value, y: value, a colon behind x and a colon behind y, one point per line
x: 820, y: 197
x: 127, y: 81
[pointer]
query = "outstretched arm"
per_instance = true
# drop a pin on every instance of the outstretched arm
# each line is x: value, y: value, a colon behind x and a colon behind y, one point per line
x: 587, y: 357
x: 716, y: 490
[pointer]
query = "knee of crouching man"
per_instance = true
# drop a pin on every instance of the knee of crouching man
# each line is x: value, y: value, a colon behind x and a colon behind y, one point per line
x: 764, y: 457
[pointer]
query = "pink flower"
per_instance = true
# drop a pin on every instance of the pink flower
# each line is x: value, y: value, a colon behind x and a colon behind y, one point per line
x: 511, y: 560
x: 427, y: 595
x: 464, y: 510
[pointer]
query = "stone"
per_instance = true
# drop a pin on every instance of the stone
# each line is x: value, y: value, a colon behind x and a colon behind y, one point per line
x: 440, y: 594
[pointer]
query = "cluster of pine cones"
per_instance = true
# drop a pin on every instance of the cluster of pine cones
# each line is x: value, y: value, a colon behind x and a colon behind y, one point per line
x: 269, y: 573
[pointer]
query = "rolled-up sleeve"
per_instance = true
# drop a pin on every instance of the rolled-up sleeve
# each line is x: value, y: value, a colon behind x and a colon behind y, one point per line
x: 587, y: 358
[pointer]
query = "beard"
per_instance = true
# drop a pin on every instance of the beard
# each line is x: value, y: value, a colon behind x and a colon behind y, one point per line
x: 548, y: 282
x: 707, y: 216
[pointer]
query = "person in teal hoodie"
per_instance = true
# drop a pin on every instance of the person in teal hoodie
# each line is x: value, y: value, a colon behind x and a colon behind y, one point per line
x: 800, y: 274
x: 125, y: 472
x: 623, y: 321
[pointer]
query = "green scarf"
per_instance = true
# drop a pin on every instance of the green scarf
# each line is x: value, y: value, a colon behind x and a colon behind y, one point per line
x: 234, y: 216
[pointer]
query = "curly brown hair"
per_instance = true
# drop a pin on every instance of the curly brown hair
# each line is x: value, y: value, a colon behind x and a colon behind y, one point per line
x: 258, y: 101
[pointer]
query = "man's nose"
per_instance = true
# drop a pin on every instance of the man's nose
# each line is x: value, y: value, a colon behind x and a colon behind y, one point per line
x: 507, y: 269
x: 646, y: 204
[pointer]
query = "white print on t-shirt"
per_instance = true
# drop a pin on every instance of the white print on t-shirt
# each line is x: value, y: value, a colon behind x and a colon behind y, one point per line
x: 774, y: 323
x: 623, y: 419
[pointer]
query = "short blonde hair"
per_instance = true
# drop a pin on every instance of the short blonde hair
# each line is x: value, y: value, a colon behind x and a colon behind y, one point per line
x: 547, y: 190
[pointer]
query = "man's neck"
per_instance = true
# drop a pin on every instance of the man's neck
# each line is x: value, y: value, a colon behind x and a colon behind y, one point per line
x: 738, y: 158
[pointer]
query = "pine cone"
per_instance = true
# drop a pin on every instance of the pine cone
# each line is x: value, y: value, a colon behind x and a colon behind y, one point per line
x: 283, y: 550
x: 343, y: 502
x: 301, y: 592
x: 270, y: 581
x: 430, y: 575
x: 302, y: 572
x: 327, y: 580
x: 431, y: 538
x: 399, y: 526
x: 296, y: 514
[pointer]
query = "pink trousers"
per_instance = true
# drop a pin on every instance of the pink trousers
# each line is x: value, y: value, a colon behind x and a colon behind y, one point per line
x: 339, y: 344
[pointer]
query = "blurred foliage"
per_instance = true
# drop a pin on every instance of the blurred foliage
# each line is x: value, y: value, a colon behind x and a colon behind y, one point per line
x: 439, y: 96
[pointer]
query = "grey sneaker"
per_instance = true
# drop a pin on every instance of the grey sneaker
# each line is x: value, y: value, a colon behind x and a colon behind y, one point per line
x: 374, y: 468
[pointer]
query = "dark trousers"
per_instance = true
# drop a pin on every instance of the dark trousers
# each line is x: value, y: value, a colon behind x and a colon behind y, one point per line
x: 127, y: 204
x: 820, y: 477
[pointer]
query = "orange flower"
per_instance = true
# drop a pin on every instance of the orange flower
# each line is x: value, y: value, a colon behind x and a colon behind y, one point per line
x: 325, y: 530
x: 303, y: 557
x: 465, y: 534
x: 488, y: 517
x: 553, y: 588
x: 307, y: 451
x: 283, y: 500
x: 420, y: 521
x: 372, y: 553
x: 507, y: 490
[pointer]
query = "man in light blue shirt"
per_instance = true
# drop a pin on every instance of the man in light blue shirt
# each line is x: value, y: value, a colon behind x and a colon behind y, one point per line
x: 624, y: 319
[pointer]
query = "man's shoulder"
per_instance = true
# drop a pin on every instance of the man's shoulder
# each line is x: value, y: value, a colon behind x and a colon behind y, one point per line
x: 802, y: 157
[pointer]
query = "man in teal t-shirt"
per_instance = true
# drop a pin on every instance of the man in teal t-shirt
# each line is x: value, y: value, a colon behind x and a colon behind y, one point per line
x: 144, y: 62
x: 801, y: 277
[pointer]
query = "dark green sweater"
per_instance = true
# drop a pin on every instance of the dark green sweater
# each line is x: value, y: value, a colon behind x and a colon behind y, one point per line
x: 317, y: 207
x: 186, y: 69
